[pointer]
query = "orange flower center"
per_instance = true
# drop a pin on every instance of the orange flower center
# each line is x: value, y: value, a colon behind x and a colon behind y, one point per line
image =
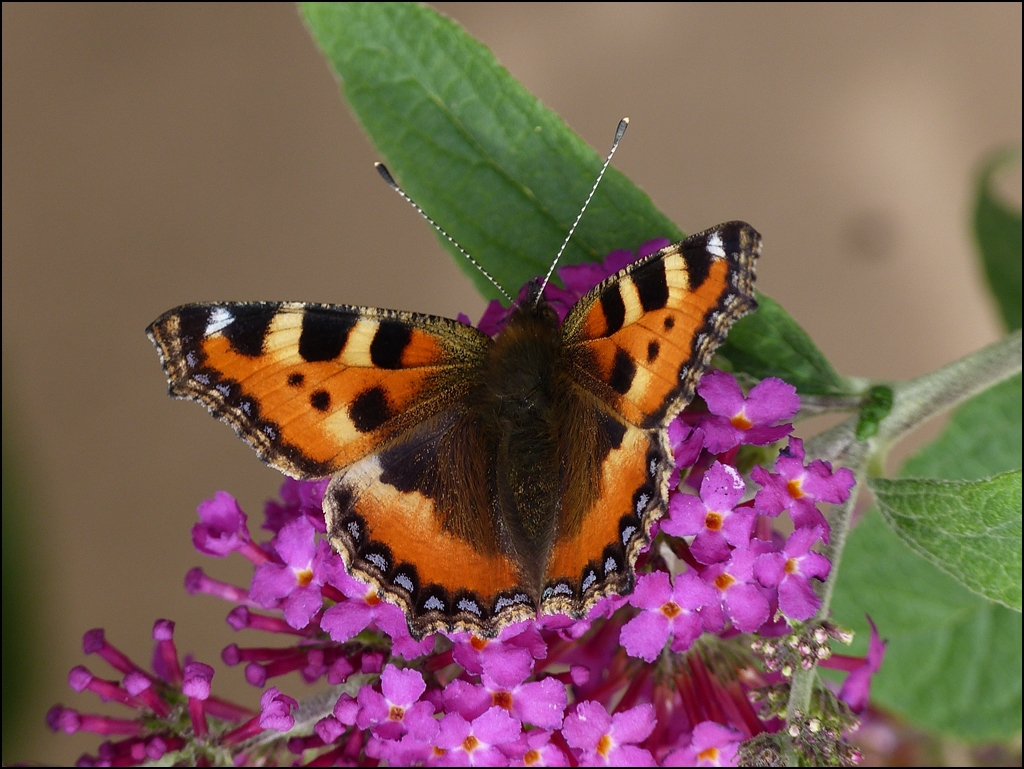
x: 304, y: 576
x: 741, y: 422
x: 470, y: 744
x: 502, y: 700
x: 396, y: 713
x: 795, y: 489
x: 531, y: 757
x: 791, y: 566
x: 724, y: 581
x: 670, y: 609
x: 708, y: 754
x: 604, y: 745
x: 478, y: 643
x: 713, y: 521
x: 372, y: 599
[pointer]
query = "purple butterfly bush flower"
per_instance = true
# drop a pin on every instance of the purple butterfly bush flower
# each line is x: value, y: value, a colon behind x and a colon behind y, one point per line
x: 798, y: 489
x: 791, y: 569
x: 609, y: 740
x: 712, y: 745
x: 857, y: 686
x: 713, y: 519
x: 631, y: 684
x: 737, y: 418
x: 397, y: 708
x: 461, y: 742
x: 668, y: 611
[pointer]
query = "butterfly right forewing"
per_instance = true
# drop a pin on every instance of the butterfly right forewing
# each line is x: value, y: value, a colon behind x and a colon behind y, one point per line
x: 636, y: 347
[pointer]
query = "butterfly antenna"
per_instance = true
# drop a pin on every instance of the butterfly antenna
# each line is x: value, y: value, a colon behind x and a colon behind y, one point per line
x: 385, y: 174
x: 615, y: 145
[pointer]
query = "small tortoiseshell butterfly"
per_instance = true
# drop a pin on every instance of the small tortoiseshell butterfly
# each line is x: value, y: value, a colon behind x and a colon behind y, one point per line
x: 476, y: 481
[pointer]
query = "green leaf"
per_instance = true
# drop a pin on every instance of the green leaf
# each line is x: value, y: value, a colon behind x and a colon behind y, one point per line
x: 770, y: 343
x: 982, y: 438
x: 503, y: 174
x: 953, y: 659
x: 953, y: 662
x: 969, y: 529
x: 998, y: 230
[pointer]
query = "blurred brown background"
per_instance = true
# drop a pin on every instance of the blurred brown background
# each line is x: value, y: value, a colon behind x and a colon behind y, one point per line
x: 154, y: 155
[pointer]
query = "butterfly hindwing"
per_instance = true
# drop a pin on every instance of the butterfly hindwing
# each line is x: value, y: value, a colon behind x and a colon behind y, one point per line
x: 416, y: 520
x: 314, y: 388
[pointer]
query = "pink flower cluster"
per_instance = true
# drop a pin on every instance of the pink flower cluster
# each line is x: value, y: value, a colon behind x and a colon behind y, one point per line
x: 659, y: 677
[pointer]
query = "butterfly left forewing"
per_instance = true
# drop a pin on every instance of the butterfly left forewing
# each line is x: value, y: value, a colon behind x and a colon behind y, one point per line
x: 314, y: 388
x: 636, y: 347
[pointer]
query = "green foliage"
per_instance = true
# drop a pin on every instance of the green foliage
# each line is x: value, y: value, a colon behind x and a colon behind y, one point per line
x: 969, y: 529
x: 997, y: 229
x: 502, y: 173
x: 953, y: 658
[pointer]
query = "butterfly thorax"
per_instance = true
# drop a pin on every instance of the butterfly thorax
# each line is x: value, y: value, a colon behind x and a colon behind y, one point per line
x: 519, y: 404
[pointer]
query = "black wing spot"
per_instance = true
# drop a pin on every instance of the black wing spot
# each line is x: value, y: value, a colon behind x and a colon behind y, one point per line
x: 651, y: 285
x: 324, y: 334
x: 296, y: 379
x: 248, y: 331
x: 623, y: 372
x: 389, y: 343
x: 698, y: 263
x: 653, y: 348
x: 614, y: 309
x: 320, y: 400
x: 370, y: 409
x: 670, y: 323
x: 613, y: 428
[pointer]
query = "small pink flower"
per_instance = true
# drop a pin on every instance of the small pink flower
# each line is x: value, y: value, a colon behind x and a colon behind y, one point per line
x: 736, y: 419
x: 604, y: 740
x: 712, y: 519
x: 669, y: 611
x: 798, y: 489
x: 791, y: 571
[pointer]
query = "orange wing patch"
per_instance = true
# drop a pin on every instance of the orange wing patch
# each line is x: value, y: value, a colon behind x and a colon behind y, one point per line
x: 595, y: 558
x: 314, y: 388
x: 392, y: 518
x: 641, y: 339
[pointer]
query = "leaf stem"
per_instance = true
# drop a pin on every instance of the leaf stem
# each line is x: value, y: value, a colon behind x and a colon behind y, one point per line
x: 919, y: 399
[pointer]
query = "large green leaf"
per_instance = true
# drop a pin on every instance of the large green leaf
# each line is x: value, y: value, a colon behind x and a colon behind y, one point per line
x: 503, y: 174
x: 953, y: 661
x: 998, y: 230
x: 969, y: 529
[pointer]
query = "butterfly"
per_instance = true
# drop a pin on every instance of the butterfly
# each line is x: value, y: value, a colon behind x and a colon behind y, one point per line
x: 477, y: 481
